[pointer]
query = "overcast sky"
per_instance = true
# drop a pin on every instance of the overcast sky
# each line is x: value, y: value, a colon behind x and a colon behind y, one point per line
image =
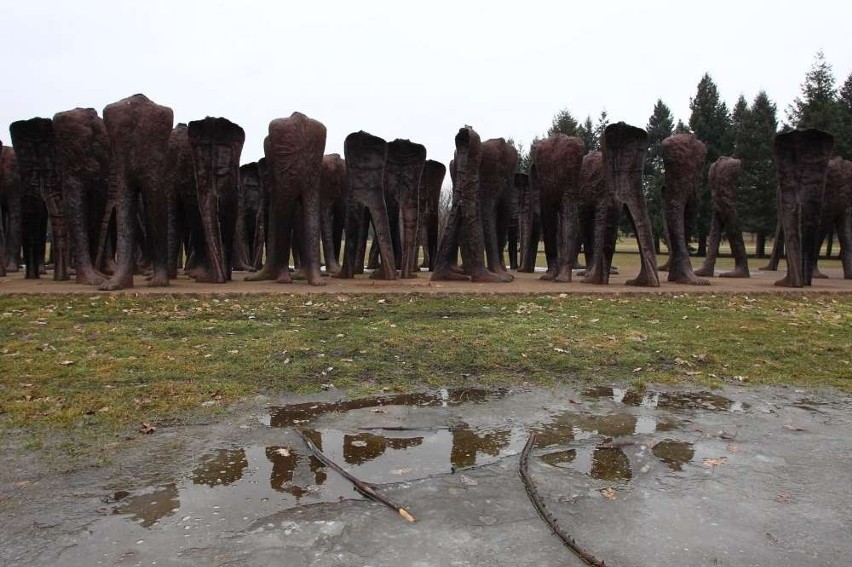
x: 417, y: 70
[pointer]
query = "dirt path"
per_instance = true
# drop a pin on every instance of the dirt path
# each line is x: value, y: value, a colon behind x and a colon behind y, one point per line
x: 760, y: 282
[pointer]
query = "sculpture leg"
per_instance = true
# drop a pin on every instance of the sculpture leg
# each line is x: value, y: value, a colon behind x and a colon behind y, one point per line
x: 568, y: 234
x: 446, y: 253
x: 326, y: 227
x: 490, y: 240
x: 788, y: 211
x: 735, y: 239
x: 354, y: 228
x: 310, y: 237
x: 638, y: 211
x: 708, y: 269
x: 843, y: 228
x: 606, y: 215
x: 125, y: 220
x: 383, y: 235
x: 549, y: 230
x: 680, y: 269
x: 78, y: 217
x: 409, y: 241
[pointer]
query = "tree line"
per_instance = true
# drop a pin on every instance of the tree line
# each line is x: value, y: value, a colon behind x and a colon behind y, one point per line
x: 746, y: 131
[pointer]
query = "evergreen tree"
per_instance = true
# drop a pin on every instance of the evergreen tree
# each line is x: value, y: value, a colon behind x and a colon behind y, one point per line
x: 711, y: 123
x: 586, y: 132
x: 738, y: 114
x: 843, y: 141
x: 660, y: 126
x: 563, y: 122
x: 682, y: 128
x: 757, y: 191
x: 603, y: 122
x: 818, y: 106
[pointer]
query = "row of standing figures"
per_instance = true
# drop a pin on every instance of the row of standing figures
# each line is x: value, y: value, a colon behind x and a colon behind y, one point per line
x: 129, y: 191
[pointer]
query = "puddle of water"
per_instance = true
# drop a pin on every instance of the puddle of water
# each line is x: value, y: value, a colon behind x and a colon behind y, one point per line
x: 666, y: 400
x: 226, y: 483
x: 675, y: 454
x: 297, y: 414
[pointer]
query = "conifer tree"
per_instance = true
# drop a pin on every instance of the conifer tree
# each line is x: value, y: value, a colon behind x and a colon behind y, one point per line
x: 757, y: 194
x: 586, y: 132
x: 818, y: 105
x: 711, y: 123
x: 563, y: 122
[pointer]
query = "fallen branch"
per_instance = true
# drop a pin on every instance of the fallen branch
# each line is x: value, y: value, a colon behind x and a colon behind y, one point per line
x: 535, y: 498
x: 359, y: 485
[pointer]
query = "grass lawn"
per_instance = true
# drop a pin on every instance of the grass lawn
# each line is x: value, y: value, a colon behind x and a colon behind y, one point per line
x: 106, y: 363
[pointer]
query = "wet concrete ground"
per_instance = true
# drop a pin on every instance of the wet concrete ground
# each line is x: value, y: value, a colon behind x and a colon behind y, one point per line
x: 661, y: 477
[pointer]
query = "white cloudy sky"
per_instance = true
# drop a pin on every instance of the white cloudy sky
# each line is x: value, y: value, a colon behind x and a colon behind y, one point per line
x: 417, y: 70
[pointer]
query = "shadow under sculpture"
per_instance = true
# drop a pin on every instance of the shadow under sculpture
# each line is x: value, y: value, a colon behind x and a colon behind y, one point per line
x: 139, y: 131
x: 837, y: 212
x: 216, y: 147
x: 496, y: 184
x: 558, y: 161
x: 464, y: 225
x: 801, y: 157
x: 294, y: 150
x: 624, y: 148
x: 403, y: 170
x: 365, y: 157
x: 35, y: 148
x: 683, y: 159
x: 723, y: 176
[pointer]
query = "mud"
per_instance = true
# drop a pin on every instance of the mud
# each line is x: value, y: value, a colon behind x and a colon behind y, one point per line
x: 658, y: 477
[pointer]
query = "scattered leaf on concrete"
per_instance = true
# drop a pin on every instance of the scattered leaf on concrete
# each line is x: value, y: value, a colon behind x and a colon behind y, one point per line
x: 783, y: 497
x: 731, y: 448
x: 401, y: 471
x: 791, y: 427
x: 467, y: 481
x: 712, y: 463
x: 608, y: 493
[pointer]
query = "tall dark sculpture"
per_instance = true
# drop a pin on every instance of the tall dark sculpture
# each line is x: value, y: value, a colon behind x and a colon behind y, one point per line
x: 593, y: 195
x: 723, y: 189
x: 366, y: 156
x: 185, y: 229
x: 334, y: 190
x: 35, y: 147
x: 216, y: 147
x: 403, y: 170
x: 464, y: 226
x: 529, y: 221
x: 683, y: 159
x: 496, y: 185
x: 254, y: 222
x: 430, y: 201
x: 294, y: 151
x: 837, y: 212
x: 558, y: 160
x: 139, y: 131
x: 10, y: 208
x: 3, y: 251
x: 624, y: 149
x: 83, y: 152
x: 801, y: 157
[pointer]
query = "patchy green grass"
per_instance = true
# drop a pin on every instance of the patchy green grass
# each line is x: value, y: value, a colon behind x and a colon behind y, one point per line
x: 106, y: 363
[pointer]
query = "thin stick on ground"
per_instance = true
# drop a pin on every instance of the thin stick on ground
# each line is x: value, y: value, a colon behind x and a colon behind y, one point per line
x: 535, y: 498
x: 359, y: 485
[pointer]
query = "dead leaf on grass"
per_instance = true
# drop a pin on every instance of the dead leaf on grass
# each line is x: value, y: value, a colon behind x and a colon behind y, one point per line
x: 66, y: 362
x: 146, y: 428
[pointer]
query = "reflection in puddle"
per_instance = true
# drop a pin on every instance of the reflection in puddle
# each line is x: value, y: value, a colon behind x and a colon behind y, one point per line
x: 296, y: 414
x: 271, y: 478
x: 148, y: 509
x: 666, y: 400
x: 220, y: 467
x: 610, y: 463
x: 674, y: 453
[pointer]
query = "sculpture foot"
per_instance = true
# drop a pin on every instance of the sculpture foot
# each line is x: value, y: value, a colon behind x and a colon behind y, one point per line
x: 687, y: 279
x: 284, y: 277
x: 299, y: 275
x: 90, y: 276
x: 503, y: 275
x: 13, y: 267
x: 382, y: 275
x: 769, y: 268
x: 343, y: 274
x: 736, y: 273
x: 264, y: 274
x: 594, y: 276
x: 484, y: 276
x: 117, y: 282
x: 705, y: 271
x: 643, y: 280
x: 786, y: 282
x: 665, y: 267
x: 548, y: 276
x: 332, y: 268
x: 161, y: 279
x: 448, y: 275
x: 818, y: 274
